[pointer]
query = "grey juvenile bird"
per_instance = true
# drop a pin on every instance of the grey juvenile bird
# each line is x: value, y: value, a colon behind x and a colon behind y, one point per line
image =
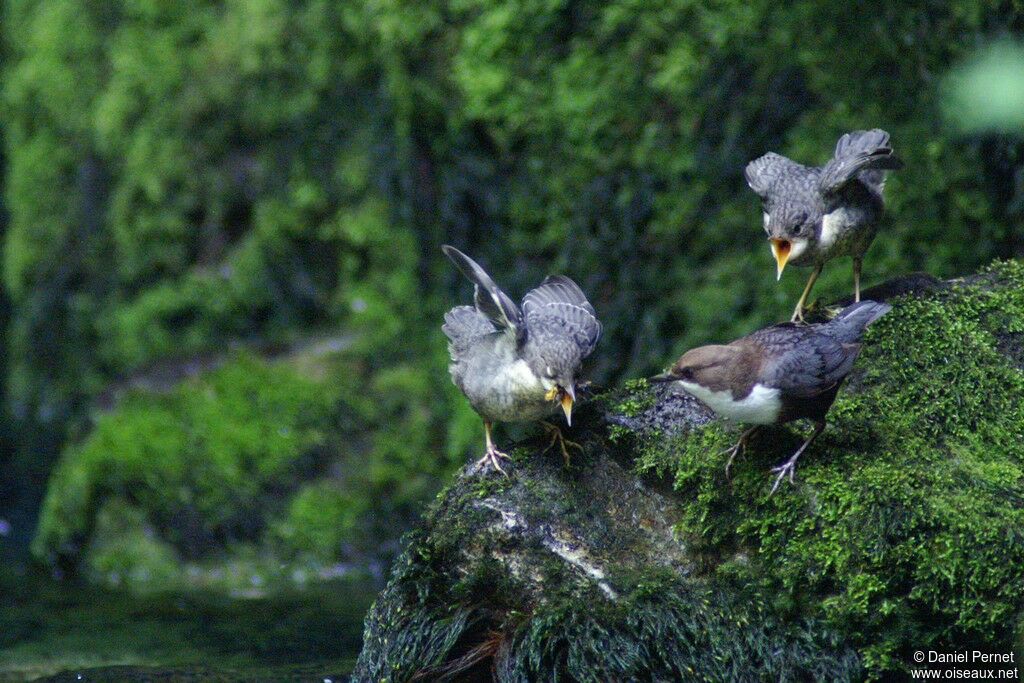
x: 815, y: 214
x: 778, y: 374
x: 518, y: 365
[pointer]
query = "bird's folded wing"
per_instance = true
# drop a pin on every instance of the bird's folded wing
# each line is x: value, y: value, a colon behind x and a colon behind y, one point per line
x: 763, y: 173
x: 463, y: 325
x: 813, y: 365
x: 488, y: 297
x: 863, y: 154
x: 559, y: 304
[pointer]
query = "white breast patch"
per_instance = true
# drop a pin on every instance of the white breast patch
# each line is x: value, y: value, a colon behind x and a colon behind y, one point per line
x: 762, y: 406
x: 833, y: 226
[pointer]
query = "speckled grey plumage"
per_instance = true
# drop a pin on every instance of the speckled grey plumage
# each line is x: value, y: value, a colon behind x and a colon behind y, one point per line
x: 505, y: 360
x: 845, y: 193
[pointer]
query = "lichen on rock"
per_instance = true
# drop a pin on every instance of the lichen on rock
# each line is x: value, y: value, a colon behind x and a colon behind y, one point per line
x: 643, y: 561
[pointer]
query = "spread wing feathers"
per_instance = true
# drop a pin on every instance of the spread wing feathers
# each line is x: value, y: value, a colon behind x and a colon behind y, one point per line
x: 559, y: 302
x: 762, y: 173
x: 815, y: 365
x: 569, y: 319
x: 489, y: 298
x: 463, y: 325
x: 863, y: 154
x: 556, y: 289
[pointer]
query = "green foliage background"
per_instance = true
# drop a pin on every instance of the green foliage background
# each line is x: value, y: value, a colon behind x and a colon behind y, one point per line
x: 180, y: 179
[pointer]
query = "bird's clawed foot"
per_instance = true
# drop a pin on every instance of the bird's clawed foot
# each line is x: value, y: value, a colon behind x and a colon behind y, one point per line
x: 558, y: 437
x: 735, y: 450
x: 493, y: 457
x: 788, y: 467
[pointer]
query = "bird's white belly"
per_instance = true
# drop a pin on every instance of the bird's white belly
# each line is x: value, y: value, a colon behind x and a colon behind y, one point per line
x: 762, y: 406
x: 834, y: 227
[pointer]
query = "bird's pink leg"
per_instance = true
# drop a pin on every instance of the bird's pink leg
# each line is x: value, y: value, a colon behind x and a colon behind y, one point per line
x: 492, y: 455
x: 789, y: 467
x: 740, y: 446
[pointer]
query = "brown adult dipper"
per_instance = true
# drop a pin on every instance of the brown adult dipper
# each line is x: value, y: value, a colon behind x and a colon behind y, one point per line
x: 815, y: 214
x: 518, y: 364
x: 778, y: 374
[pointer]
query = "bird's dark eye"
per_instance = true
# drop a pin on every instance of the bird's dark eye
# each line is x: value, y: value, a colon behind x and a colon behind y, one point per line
x: 549, y: 372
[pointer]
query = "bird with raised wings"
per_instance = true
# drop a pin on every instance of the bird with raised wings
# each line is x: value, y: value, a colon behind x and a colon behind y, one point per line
x: 815, y: 214
x: 518, y: 363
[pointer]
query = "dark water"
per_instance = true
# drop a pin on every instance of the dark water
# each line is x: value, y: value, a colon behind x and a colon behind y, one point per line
x: 61, y: 631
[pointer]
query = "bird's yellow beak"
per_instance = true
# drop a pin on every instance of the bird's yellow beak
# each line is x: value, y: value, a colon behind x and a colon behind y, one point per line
x: 566, y: 396
x: 567, y: 407
x: 781, y: 250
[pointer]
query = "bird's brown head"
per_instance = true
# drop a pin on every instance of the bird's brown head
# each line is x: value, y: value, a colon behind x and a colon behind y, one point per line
x: 713, y: 367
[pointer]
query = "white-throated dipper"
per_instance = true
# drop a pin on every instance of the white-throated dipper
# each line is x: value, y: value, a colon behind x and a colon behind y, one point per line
x: 778, y: 374
x: 518, y: 365
x: 815, y: 214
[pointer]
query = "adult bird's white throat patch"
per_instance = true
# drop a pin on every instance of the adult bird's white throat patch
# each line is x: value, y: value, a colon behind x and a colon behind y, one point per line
x: 761, y: 406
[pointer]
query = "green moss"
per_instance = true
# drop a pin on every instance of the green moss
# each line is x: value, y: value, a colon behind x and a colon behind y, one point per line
x: 204, y: 461
x: 666, y: 630
x: 321, y: 517
x: 905, y: 514
x: 636, y: 400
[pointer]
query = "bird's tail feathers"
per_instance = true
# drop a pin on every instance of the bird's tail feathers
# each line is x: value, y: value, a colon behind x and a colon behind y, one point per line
x: 849, y: 325
x: 861, y: 153
x: 861, y: 142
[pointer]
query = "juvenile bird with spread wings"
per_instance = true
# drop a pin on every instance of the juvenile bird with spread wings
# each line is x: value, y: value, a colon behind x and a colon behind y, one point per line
x: 518, y: 364
x: 815, y: 214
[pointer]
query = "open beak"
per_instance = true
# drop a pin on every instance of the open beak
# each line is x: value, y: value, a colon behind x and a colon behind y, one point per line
x: 781, y: 250
x: 568, y: 398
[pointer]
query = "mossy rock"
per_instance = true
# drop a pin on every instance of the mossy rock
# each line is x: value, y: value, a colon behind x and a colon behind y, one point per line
x: 205, y: 465
x: 642, y: 561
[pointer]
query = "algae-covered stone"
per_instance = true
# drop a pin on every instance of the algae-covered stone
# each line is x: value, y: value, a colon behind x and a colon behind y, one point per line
x: 643, y: 562
x: 208, y: 464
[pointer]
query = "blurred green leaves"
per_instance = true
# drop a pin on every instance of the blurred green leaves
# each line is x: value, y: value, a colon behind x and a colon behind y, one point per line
x: 985, y: 93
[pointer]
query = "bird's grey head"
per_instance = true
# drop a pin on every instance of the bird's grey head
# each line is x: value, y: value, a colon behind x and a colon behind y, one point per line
x: 555, y: 358
x: 792, y: 227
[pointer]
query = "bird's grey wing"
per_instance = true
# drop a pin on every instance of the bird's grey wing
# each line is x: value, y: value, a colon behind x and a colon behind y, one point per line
x: 803, y: 362
x: 765, y: 172
x: 557, y: 289
x: 463, y: 325
x: 489, y: 298
x: 861, y: 154
x: 559, y: 304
